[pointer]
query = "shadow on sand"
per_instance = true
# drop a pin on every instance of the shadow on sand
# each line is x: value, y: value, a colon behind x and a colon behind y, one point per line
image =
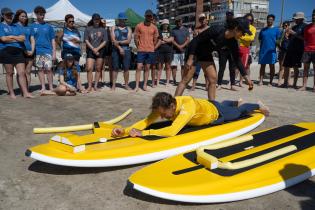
x: 305, y: 189
x: 47, y: 168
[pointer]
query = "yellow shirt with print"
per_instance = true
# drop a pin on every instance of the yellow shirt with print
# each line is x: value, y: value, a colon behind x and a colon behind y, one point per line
x: 189, y: 111
x: 246, y: 40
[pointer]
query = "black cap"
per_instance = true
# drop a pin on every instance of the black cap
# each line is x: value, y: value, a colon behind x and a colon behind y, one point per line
x: 148, y: 12
x: 96, y: 16
x: 243, y: 25
x: 229, y: 13
x: 5, y: 11
x: 68, y: 56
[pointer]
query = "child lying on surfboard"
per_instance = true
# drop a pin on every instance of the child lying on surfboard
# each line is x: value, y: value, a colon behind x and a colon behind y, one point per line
x: 186, y: 110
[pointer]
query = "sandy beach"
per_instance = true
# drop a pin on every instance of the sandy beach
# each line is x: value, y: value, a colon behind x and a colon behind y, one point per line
x: 29, y: 184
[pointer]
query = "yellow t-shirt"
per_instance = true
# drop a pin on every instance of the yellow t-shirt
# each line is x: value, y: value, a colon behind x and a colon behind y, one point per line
x: 246, y: 40
x: 189, y: 111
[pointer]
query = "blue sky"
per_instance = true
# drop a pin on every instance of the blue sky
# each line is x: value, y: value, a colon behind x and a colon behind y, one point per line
x: 110, y: 8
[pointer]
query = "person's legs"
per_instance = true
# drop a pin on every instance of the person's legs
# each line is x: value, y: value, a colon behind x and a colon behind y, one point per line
x: 146, y: 76
x: 126, y: 65
x: 261, y: 74
x: 159, y: 73
x: 153, y: 74
x: 20, y: 68
x: 174, y: 65
x: 222, y: 64
x: 272, y: 73
x: 9, y: 68
x: 138, y: 74
x: 195, y: 77
x: 98, y: 68
x: 296, y: 76
x: 305, y: 75
x: 281, y: 69
x: 50, y: 78
x: 114, y: 78
x: 211, y: 73
x: 28, y: 69
x: 89, y: 69
x: 188, y: 75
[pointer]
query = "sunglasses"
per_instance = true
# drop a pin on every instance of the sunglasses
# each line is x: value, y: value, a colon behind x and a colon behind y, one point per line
x: 70, y: 21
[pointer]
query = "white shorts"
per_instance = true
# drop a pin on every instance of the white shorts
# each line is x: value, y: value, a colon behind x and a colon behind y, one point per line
x: 43, y: 61
x: 178, y: 60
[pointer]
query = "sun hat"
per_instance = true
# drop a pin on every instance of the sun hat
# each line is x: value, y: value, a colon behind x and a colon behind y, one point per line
x: 165, y: 21
x: 298, y: 15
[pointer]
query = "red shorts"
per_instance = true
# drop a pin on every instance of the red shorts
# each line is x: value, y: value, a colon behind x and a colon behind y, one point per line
x: 244, y: 55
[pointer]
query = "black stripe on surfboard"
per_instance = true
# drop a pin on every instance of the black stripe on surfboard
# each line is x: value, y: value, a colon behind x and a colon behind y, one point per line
x: 259, y: 139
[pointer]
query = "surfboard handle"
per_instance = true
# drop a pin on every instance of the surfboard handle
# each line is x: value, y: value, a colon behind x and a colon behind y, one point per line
x: 212, y: 162
x: 79, y: 127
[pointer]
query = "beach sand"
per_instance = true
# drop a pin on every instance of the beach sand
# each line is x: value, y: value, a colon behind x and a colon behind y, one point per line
x: 29, y: 184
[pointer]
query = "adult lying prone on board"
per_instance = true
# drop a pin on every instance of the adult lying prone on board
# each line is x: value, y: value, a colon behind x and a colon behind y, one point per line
x: 186, y: 110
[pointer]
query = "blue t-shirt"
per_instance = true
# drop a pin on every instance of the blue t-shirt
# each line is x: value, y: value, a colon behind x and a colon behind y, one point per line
x: 268, y: 38
x: 28, y: 33
x: 70, y: 79
x: 68, y: 36
x: 43, y: 34
x: 10, y: 30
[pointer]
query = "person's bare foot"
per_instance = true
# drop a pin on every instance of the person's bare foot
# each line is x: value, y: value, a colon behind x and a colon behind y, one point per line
x: 47, y: 93
x: 12, y: 96
x: 89, y: 90
x: 145, y: 88
x: 219, y: 87
x: 127, y: 87
x: 28, y: 96
x: 303, y: 88
x: 233, y: 88
x: 97, y: 89
x: 260, y: 83
x: 269, y: 85
x: 263, y: 108
x: 137, y: 89
x: 251, y: 85
x: 240, y: 102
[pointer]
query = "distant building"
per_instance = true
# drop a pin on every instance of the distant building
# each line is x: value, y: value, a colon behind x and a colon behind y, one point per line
x: 259, y: 8
x: 186, y: 9
x: 214, y: 9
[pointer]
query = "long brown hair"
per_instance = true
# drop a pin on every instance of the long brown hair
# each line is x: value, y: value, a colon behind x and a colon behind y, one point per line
x: 17, y: 15
x: 74, y: 71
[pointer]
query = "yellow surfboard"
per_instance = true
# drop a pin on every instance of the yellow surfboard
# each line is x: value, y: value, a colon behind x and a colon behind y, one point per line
x: 236, y: 169
x: 101, y: 150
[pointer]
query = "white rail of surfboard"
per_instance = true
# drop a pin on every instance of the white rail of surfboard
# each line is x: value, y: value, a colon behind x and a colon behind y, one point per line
x: 79, y: 127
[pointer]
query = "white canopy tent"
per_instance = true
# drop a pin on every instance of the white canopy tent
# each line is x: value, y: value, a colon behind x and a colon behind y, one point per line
x: 57, y: 12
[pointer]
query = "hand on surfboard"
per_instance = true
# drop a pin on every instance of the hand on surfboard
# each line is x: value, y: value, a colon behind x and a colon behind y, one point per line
x: 118, y: 132
x: 135, y: 133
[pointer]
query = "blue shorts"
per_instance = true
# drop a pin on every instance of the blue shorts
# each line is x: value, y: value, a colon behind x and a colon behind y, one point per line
x: 121, y: 62
x: 146, y: 57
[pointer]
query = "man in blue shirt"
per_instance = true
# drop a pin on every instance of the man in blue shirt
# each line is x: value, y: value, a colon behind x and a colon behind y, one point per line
x: 45, y: 47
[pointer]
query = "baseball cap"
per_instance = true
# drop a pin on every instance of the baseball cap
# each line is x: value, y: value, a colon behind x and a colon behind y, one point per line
x: 202, y: 15
x: 229, y: 13
x: 148, y: 13
x: 96, y: 16
x: 243, y: 25
x: 5, y: 11
x: 178, y: 18
x: 68, y: 56
x: 122, y: 16
x: 165, y: 21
